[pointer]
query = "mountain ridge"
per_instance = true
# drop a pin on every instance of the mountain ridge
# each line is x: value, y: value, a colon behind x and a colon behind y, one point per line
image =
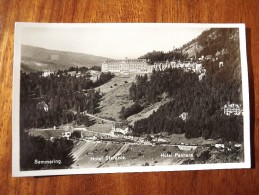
x: 38, y: 59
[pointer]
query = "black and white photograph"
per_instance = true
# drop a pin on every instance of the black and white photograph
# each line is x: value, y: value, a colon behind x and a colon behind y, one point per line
x: 136, y: 97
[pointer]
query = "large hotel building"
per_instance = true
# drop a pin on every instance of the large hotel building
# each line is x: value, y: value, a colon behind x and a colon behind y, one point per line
x: 143, y: 66
x: 127, y: 65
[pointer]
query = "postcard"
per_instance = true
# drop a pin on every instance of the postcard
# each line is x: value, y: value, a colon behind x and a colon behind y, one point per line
x: 129, y: 97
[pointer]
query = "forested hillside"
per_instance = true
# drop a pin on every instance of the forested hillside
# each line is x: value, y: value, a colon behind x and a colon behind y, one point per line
x: 156, y: 56
x: 63, y: 94
x: 202, y: 100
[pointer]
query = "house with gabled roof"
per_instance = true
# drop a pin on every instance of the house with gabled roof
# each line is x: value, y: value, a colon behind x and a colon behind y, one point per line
x: 232, y: 109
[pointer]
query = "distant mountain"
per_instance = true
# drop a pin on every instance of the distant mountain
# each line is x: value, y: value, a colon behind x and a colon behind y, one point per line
x: 37, y: 59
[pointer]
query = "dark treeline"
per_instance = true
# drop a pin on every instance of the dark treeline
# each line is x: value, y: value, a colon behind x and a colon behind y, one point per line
x: 134, y: 109
x: 82, y: 69
x: 156, y: 56
x: 63, y: 94
x: 202, y: 100
x: 35, y: 149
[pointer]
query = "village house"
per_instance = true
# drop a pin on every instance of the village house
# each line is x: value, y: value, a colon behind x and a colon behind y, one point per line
x: 208, y: 57
x: 119, y: 129
x: 201, y: 58
x: 95, y: 138
x: 47, y: 73
x: 66, y: 134
x: 219, y: 146
x: 238, y: 145
x: 184, y: 116
x: 218, y: 53
x: 144, y: 141
x: 232, y: 109
x: 43, y: 106
x: 79, y: 129
x: 72, y: 73
x: 202, y: 75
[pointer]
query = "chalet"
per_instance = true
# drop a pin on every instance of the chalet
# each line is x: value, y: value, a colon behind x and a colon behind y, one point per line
x: 219, y: 146
x: 208, y: 57
x: 232, y: 109
x: 66, y: 134
x: 145, y: 141
x: 218, y: 53
x: 161, y: 140
x: 72, y: 73
x: 75, y: 74
x: 221, y: 64
x: 79, y: 129
x: 201, y: 76
x: 47, y: 73
x: 187, y: 147
x: 119, y: 128
x: 95, y: 137
x: 43, y: 106
x: 184, y: 116
x: 78, y: 74
x: 201, y: 58
x: 238, y: 145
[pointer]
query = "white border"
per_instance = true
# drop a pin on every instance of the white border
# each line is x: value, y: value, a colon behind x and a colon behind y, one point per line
x: 16, y: 105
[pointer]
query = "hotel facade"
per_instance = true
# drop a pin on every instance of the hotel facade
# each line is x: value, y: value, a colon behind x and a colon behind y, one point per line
x: 127, y: 65
x: 143, y: 66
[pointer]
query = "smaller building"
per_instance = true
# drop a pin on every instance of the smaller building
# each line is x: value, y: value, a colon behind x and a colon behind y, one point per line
x: 232, y: 109
x: 201, y: 76
x: 66, y: 134
x: 43, y: 106
x: 119, y: 129
x: 184, y: 116
x: 219, y: 145
x: 208, y: 57
x: 72, y: 73
x: 218, y: 53
x: 238, y: 145
x: 79, y: 129
x: 95, y: 137
x: 221, y: 64
x: 47, y: 73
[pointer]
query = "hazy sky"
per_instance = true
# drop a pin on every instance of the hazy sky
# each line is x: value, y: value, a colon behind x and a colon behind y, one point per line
x: 111, y: 41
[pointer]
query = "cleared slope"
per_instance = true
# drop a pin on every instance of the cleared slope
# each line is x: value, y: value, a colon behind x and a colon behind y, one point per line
x: 116, y: 95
